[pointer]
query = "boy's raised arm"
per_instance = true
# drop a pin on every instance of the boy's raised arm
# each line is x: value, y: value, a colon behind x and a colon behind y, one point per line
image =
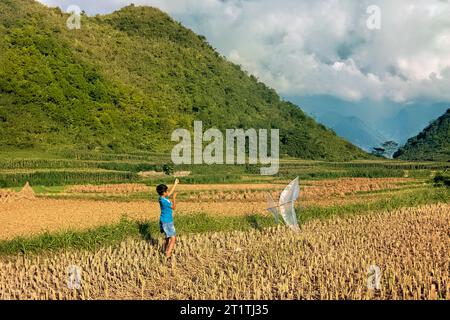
x: 174, y: 201
x: 172, y: 190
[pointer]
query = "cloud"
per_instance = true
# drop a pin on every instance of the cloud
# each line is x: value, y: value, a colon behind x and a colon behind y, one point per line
x: 323, y: 47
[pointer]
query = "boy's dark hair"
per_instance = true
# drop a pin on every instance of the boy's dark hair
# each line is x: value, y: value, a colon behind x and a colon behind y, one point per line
x: 161, y: 189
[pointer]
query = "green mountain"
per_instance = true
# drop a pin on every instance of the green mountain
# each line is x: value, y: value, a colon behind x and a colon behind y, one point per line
x: 125, y: 81
x: 433, y: 143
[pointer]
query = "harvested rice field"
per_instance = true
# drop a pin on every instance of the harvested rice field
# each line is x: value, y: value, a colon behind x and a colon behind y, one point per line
x: 401, y: 254
x: 83, y: 207
x: 368, y: 230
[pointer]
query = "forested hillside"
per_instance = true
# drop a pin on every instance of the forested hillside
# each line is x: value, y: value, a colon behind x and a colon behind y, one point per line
x: 126, y: 80
x: 433, y: 143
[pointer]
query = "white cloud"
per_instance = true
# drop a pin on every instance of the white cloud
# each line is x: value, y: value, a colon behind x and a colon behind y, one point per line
x: 323, y: 47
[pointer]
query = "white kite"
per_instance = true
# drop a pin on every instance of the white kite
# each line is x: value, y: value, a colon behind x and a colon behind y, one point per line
x: 285, y: 206
x: 272, y: 207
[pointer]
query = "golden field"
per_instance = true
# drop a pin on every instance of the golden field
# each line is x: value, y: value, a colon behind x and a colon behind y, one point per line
x: 84, y: 207
x: 328, y: 259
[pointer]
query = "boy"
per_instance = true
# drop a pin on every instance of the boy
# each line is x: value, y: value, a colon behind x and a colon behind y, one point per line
x: 166, y: 224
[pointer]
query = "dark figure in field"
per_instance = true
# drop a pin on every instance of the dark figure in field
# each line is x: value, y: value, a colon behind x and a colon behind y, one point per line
x: 166, y: 223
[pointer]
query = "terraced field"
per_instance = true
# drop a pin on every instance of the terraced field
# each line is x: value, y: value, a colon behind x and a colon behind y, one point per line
x: 83, y: 207
x: 98, y: 213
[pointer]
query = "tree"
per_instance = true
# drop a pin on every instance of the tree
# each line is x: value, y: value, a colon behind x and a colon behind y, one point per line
x: 390, y: 148
x: 387, y: 149
x: 168, y: 169
x: 379, y: 152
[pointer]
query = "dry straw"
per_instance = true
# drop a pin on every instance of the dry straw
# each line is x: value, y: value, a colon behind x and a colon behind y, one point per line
x: 327, y: 260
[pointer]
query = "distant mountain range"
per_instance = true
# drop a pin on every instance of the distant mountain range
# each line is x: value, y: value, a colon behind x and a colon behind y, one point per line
x: 367, y: 123
x: 410, y: 120
x: 353, y: 129
x: 433, y: 143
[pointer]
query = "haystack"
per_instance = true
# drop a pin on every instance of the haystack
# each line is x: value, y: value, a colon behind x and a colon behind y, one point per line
x: 27, y: 192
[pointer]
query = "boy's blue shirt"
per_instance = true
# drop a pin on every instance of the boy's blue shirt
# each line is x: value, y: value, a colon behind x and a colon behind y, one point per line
x: 166, y: 210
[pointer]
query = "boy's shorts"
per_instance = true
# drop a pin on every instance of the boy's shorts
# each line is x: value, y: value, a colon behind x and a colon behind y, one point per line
x: 168, y: 228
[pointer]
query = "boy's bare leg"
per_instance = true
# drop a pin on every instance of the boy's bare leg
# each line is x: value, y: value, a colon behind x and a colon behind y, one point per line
x: 170, y: 246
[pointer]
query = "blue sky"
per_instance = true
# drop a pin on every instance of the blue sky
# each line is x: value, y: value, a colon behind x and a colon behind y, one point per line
x: 324, y: 47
